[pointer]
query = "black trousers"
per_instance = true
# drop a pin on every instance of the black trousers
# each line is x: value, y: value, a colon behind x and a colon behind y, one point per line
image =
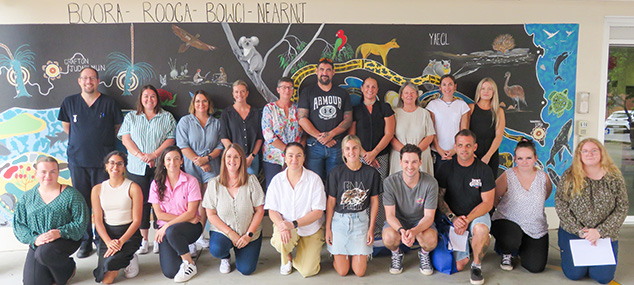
x: 144, y: 182
x: 84, y: 178
x: 175, y: 243
x: 509, y: 238
x: 122, y: 258
x: 50, y: 263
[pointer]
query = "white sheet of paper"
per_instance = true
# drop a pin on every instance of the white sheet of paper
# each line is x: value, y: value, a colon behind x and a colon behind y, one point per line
x: 458, y: 242
x: 586, y: 254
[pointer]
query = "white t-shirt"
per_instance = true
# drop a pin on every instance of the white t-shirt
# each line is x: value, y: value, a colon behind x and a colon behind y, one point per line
x: 447, y: 120
x: 292, y: 204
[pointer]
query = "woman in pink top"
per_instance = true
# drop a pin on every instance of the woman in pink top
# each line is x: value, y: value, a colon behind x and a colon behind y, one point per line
x: 175, y: 196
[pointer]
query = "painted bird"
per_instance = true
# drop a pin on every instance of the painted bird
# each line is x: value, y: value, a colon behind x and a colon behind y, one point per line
x: 515, y: 92
x: 339, y: 43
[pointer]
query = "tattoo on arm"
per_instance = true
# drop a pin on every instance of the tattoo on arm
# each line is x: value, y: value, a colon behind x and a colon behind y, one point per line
x: 442, y: 205
x: 302, y: 113
x: 347, y: 120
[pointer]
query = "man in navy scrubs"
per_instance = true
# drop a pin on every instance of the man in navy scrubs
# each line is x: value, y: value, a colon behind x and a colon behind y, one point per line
x: 91, y: 120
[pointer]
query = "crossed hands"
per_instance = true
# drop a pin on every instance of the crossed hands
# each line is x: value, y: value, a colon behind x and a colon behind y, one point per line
x: 460, y: 224
x: 326, y: 139
x: 47, y: 237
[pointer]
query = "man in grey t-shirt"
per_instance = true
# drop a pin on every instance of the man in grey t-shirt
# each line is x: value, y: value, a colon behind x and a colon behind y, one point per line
x: 410, y: 198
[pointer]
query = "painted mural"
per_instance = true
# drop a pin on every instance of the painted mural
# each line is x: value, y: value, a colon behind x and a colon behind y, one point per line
x: 534, y: 66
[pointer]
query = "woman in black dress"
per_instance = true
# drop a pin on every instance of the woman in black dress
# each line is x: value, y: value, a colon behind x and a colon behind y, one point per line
x: 488, y: 123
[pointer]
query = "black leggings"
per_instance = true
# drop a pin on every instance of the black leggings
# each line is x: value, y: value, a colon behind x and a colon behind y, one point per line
x: 122, y: 258
x: 50, y: 263
x: 175, y: 243
x: 509, y: 238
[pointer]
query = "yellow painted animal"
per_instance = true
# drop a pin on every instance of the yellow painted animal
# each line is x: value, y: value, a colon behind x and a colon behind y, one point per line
x: 376, y: 49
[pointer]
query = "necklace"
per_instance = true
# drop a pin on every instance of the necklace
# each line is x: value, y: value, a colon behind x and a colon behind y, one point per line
x: 369, y: 104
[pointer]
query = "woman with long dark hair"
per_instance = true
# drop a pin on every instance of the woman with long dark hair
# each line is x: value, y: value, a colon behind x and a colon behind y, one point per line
x: 175, y: 196
x: 117, y: 208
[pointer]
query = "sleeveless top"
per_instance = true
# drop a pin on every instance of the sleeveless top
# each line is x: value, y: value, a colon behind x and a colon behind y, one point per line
x: 525, y: 208
x: 116, y: 203
x: 485, y: 132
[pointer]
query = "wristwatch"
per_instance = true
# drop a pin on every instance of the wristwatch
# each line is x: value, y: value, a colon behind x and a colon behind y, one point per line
x: 250, y: 234
x: 451, y: 216
x: 295, y: 224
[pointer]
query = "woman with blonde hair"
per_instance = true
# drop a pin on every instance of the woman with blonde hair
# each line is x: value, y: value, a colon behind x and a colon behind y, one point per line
x: 414, y: 125
x: 197, y: 134
x: 591, y: 202
x: 235, y: 206
x: 488, y: 123
x: 352, y: 189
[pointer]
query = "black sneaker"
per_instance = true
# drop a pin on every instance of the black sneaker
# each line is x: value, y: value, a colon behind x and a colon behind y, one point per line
x: 507, y: 262
x: 397, y: 263
x: 476, y: 275
x: 425, y: 263
x: 85, y: 250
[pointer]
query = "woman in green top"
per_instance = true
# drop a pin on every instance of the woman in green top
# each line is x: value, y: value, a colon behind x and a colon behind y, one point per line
x: 51, y: 218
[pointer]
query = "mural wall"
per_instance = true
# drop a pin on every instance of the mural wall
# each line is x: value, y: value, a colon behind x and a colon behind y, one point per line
x: 534, y: 66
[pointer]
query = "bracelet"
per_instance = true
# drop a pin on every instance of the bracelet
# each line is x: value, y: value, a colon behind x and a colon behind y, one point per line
x: 399, y: 229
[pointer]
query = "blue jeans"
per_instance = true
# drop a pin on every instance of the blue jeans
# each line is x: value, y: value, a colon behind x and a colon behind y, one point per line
x: 255, y: 165
x: 602, y: 274
x: 270, y: 170
x: 246, y: 257
x: 321, y: 159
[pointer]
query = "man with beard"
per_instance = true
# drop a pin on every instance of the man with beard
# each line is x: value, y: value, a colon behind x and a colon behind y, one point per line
x: 466, y: 194
x: 325, y: 113
x: 91, y: 120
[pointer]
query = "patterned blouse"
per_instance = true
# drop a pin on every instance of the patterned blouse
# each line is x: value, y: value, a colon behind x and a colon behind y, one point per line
x: 67, y: 212
x: 602, y: 205
x: 275, y: 124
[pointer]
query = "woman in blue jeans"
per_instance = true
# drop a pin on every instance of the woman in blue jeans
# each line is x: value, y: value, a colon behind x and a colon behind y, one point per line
x: 235, y: 206
x: 591, y: 202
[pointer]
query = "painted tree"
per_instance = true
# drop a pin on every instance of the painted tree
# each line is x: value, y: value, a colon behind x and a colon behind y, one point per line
x: 18, y: 67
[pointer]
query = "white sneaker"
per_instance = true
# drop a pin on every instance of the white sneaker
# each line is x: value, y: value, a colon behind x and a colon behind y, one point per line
x: 155, y: 247
x: 186, y: 272
x: 287, y: 268
x: 225, y: 265
x: 144, y: 248
x: 192, y: 250
x: 132, y: 270
x: 202, y: 242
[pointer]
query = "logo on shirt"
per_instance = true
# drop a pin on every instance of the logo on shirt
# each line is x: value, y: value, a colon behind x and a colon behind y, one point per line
x: 353, y: 195
x: 327, y: 112
x: 476, y: 183
x: 327, y: 106
x: 420, y: 201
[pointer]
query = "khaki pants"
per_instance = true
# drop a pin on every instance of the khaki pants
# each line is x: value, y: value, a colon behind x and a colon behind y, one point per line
x: 308, y: 256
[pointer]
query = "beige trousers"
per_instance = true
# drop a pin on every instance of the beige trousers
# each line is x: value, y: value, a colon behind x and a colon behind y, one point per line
x: 308, y: 256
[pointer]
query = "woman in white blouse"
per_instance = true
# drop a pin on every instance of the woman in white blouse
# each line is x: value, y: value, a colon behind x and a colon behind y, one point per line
x: 296, y: 201
x: 235, y: 206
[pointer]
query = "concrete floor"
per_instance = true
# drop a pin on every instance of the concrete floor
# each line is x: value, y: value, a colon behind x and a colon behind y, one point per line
x: 11, y: 263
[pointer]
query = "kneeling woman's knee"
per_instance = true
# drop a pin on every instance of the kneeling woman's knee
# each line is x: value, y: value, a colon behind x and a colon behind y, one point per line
x: 46, y: 254
x: 248, y: 268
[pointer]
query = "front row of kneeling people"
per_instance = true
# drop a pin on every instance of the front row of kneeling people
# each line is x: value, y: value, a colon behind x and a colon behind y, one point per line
x: 591, y: 202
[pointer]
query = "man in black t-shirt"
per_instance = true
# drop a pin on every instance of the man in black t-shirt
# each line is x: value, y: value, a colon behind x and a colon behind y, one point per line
x: 325, y: 114
x: 466, y: 194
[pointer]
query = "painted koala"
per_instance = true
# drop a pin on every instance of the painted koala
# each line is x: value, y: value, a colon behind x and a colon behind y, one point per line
x: 250, y: 54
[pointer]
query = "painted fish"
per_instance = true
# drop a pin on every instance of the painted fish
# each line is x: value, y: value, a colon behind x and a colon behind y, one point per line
x: 561, y: 143
x: 558, y: 62
x: 58, y: 137
x: 554, y: 177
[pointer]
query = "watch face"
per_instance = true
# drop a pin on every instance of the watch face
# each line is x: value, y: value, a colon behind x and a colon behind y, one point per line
x: 250, y: 234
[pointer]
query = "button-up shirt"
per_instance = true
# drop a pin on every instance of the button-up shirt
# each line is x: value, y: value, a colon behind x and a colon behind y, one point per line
x: 236, y: 212
x: 148, y: 135
x: 243, y: 132
x: 292, y: 204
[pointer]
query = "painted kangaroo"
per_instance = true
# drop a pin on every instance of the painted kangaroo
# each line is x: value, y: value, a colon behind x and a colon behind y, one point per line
x: 376, y: 49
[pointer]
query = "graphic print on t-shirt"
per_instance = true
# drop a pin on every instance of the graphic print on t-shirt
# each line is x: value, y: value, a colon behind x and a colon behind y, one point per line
x: 327, y: 106
x: 353, y: 196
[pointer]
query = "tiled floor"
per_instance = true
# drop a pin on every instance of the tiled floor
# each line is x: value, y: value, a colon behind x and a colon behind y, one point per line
x: 11, y: 263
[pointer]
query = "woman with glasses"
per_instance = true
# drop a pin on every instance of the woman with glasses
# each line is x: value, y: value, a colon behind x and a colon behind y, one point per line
x: 280, y: 126
x: 591, y: 202
x: 117, y: 209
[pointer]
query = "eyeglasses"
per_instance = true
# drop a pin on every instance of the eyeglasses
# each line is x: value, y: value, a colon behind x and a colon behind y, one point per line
x: 115, y: 163
x: 592, y: 151
x: 285, y: 87
x: 91, y: 78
